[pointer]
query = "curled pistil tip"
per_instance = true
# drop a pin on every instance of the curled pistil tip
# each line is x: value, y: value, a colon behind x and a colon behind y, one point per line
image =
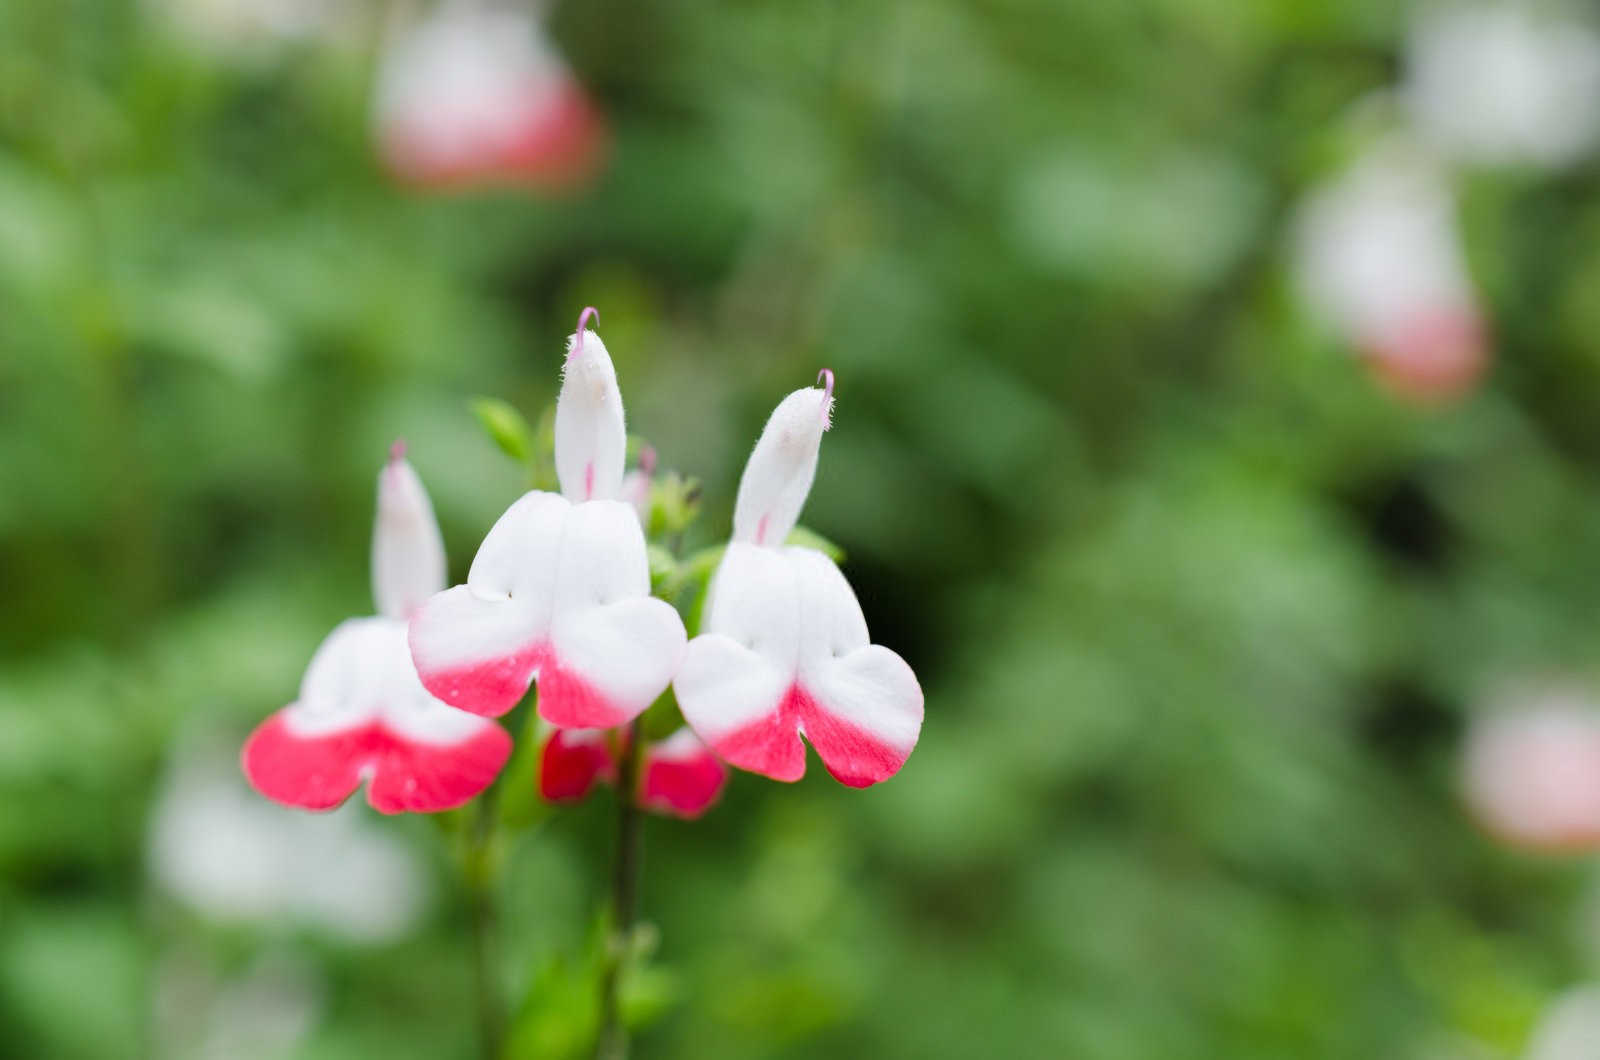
x: 583, y: 325
x: 397, y: 450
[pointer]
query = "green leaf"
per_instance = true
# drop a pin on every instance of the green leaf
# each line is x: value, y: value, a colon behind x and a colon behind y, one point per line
x: 506, y: 427
x: 811, y: 539
x: 663, y: 718
x: 663, y: 568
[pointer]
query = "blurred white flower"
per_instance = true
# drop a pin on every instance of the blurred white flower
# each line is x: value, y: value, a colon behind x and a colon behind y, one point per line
x: 263, y: 1012
x: 1569, y: 1028
x: 1531, y: 774
x: 477, y: 95
x: 228, y: 854
x: 1504, y: 83
x: 228, y: 26
x: 1379, y: 257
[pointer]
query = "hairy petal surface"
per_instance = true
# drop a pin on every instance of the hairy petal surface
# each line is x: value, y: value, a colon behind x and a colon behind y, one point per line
x: 591, y: 436
x: 408, y: 563
x: 780, y: 470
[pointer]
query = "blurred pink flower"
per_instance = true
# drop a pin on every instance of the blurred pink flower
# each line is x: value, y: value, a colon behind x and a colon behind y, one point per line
x: 477, y: 95
x: 678, y: 776
x: 560, y: 588
x: 362, y: 714
x: 1379, y: 257
x: 1531, y: 774
x: 785, y: 651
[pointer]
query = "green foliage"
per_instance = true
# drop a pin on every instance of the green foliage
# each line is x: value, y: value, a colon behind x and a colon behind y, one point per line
x: 506, y: 427
x: 1200, y: 612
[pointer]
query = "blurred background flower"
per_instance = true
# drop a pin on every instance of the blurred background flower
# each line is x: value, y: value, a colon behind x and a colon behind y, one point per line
x: 1202, y: 614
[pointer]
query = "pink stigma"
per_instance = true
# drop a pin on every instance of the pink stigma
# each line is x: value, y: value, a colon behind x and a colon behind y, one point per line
x: 583, y: 325
x: 397, y: 451
x: 826, y: 376
x: 647, y: 460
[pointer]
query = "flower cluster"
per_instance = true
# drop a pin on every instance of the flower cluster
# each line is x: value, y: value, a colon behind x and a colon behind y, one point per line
x: 559, y: 597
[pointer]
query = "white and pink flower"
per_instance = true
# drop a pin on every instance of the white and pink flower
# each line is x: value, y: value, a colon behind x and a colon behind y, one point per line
x: 362, y: 714
x: 784, y: 652
x: 1380, y: 258
x: 477, y: 95
x: 1531, y: 775
x: 560, y: 588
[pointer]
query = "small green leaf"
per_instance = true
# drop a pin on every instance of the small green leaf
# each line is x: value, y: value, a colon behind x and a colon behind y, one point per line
x: 674, y: 504
x: 663, y: 567
x: 811, y: 539
x: 663, y: 718
x: 506, y: 427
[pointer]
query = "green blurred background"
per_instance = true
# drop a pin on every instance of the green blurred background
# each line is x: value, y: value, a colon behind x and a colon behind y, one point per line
x: 1199, y: 609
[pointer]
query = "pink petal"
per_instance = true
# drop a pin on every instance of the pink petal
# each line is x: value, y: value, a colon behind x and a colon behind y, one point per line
x: 788, y: 654
x: 478, y: 97
x: 482, y: 683
x: 733, y: 699
x: 572, y: 762
x: 610, y: 663
x: 477, y: 646
x: 317, y: 772
x: 1431, y: 354
x: 865, y: 715
x: 681, y: 777
x: 1532, y: 776
x: 560, y: 592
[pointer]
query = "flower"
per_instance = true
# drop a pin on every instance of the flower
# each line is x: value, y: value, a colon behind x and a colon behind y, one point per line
x: 1504, y: 82
x: 560, y: 588
x: 1569, y: 1028
x: 1379, y: 256
x: 362, y: 713
x: 478, y: 96
x: 1532, y: 772
x: 785, y: 651
x: 233, y: 858
x: 678, y: 776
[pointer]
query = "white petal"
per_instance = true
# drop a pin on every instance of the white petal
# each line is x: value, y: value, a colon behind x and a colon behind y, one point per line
x: 626, y: 651
x: 519, y: 555
x: 786, y: 652
x: 591, y: 438
x: 341, y: 687
x: 778, y: 476
x: 603, y: 557
x: 753, y: 599
x: 723, y: 686
x: 408, y: 563
x: 560, y: 591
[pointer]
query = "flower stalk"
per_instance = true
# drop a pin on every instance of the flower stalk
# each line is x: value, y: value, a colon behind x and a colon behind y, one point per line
x: 613, y: 1040
x: 479, y: 871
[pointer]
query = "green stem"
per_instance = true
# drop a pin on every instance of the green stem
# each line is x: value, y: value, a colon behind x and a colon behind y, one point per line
x: 480, y: 874
x: 613, y: 1041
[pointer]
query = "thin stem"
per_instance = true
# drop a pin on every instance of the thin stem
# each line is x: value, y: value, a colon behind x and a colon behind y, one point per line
x: 480, y: 875
x: 613, y: 1042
